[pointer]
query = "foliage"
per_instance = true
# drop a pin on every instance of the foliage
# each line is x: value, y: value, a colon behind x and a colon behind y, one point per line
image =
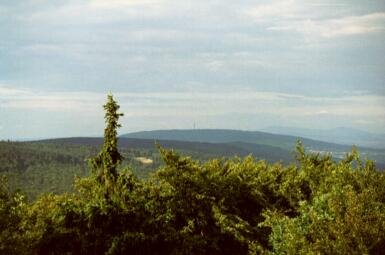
x: 222, y: 206
x: 343, y: 212
x: 12, y: 209
x: 105, y: 164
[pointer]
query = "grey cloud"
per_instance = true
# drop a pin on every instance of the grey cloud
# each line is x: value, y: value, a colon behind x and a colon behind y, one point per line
x: 198, y: 46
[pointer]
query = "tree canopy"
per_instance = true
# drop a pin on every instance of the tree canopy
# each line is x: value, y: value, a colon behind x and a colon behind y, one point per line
x: 223, y: 206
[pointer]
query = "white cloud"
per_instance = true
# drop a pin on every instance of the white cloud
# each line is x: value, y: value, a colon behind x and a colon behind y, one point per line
x: 364, y: 122
x: 196, y: 103
x: 322, y: 112
x: 98, y: 12
x: 281, y: 9
x: 353, y: 25
x: 315, y: 19
x: 329, y: 28
x: 27, y: 99
x: 122, y: 3
x: 7, y: 91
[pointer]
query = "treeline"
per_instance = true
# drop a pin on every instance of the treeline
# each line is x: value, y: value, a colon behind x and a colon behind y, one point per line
x: 236, y: 206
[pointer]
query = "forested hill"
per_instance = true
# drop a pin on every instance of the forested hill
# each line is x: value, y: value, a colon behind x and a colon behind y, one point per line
x: 202, y: 149
x: 51, y: 165
x: 227, y: 135
x: 35, y: 168
x: 340, y: 135
x: 284, y: 142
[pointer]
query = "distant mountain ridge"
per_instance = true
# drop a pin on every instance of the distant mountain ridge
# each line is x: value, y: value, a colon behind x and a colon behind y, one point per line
x: 250, y: 138
x: 286, y: 142
x: 51, y: 164
x: 225, y: 143
x: 340, y: 135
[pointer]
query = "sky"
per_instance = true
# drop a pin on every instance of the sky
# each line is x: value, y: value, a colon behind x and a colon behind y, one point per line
x: 182, y: 64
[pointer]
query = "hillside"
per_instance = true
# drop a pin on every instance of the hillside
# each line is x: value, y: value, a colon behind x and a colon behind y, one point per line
x: 341, y: 135
x: 284, y: 142
x: 227, y: 136
x: 203, y: 150
x: 51, y: 165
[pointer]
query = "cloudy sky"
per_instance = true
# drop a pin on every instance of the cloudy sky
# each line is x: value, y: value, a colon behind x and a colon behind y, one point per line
x: 175, y: 64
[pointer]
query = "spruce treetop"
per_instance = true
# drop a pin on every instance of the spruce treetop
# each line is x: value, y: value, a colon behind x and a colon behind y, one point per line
x: 107, y: 161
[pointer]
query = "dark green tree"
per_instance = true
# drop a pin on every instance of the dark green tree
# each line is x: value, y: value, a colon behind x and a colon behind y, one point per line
x: 106, y: 162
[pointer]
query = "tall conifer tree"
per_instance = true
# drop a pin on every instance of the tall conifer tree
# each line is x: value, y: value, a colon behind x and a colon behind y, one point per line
x: 106, y: 162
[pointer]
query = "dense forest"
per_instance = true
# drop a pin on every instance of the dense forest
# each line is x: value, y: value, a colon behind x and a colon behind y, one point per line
x: 51, y: 166
x: 44, y: 166
x: 315, y: 205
